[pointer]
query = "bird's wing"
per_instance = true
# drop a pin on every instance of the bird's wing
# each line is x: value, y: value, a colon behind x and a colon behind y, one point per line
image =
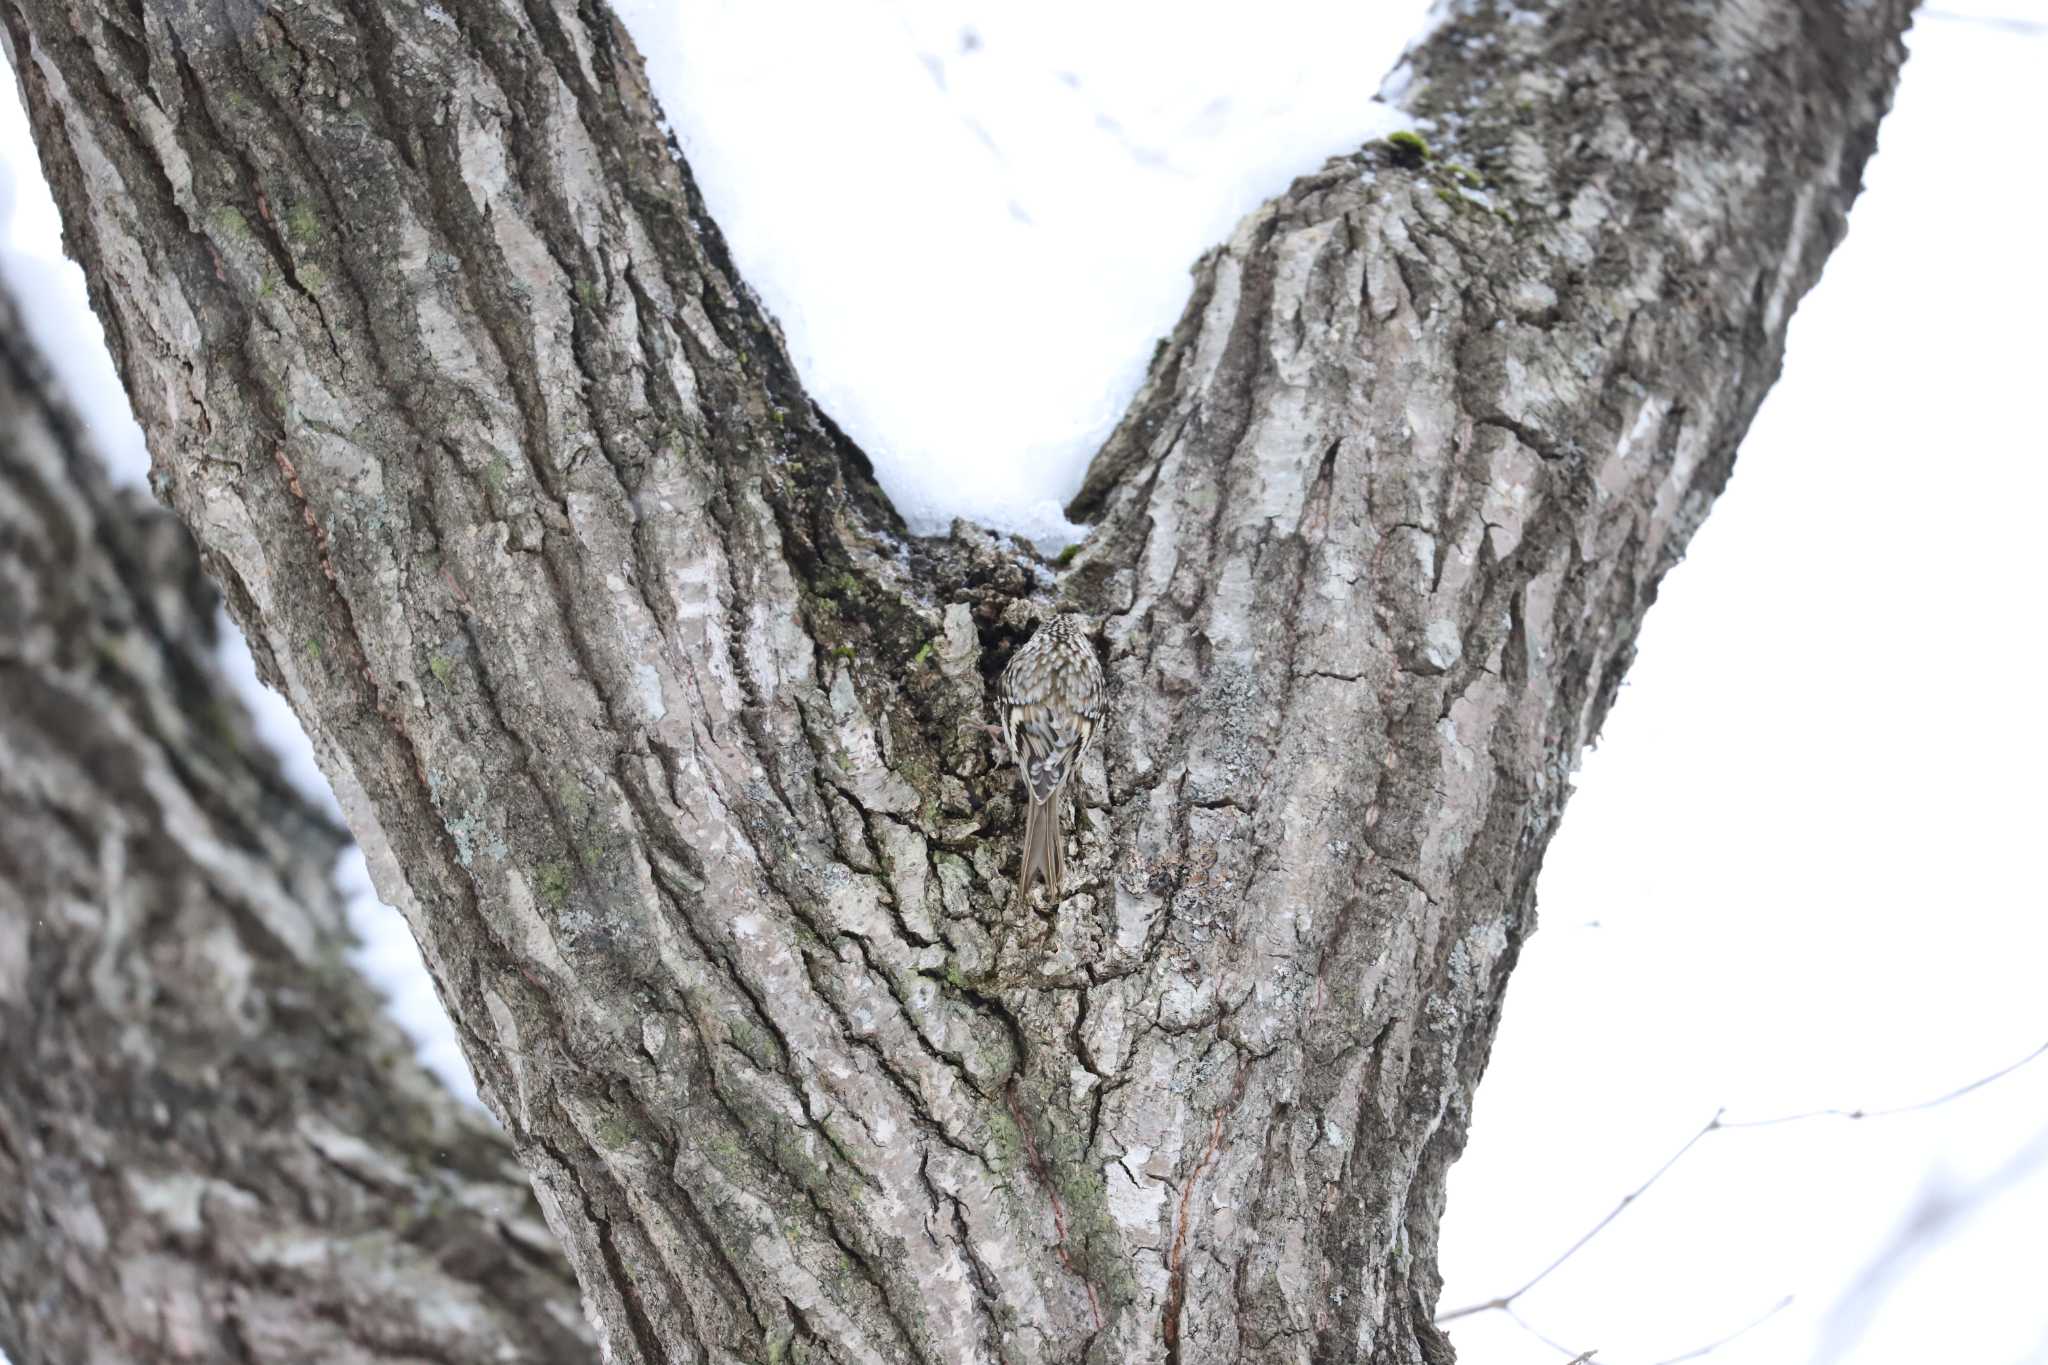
x: 1050, y: 697
x: 1044, y: 753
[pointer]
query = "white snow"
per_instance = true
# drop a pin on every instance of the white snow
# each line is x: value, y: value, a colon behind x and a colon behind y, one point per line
x: 973, y: 222
x: 1769, y: 904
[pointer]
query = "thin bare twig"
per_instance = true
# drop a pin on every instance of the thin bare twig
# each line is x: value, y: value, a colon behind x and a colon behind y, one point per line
x: 1505, y: 1303
x: 1936, y: 1102
x: 1506, y: 1300
x: 1579, y: 1359
x: 1582, y: 1357
x: 1780, y: 1306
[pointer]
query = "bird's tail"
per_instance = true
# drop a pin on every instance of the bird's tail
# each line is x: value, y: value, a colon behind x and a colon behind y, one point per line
x: 1045, y: 848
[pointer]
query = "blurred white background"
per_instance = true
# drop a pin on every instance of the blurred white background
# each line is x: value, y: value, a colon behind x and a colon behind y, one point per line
x: 1803, y: 867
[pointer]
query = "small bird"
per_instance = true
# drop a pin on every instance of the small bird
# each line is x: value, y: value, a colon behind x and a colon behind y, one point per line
x: 1049, y: 701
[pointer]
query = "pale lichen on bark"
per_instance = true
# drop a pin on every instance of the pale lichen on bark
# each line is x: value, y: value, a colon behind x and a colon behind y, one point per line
x: 667, y: 738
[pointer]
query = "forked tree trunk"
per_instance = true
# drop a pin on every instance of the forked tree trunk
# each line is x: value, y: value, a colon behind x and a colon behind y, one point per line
x: 213, y: 1143
x: 667, y: 739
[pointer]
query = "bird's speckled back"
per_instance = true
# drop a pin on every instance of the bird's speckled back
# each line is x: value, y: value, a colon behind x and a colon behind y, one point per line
x: 1050, y: 699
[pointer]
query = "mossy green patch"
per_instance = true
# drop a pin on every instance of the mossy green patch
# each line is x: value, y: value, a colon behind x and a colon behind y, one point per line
x: 553, y: 882
x: 1005, y: 1143
x: 570, y: 792
x: 301, y: 222
x: 792, y: 1153
x: 442, y: 667
x: 1091, y: 1233
x: 756, y: 1046
x: 1409, y: 148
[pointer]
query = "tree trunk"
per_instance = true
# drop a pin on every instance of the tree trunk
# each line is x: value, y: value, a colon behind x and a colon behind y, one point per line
x: 213, y: 1143
x: 668, y: 740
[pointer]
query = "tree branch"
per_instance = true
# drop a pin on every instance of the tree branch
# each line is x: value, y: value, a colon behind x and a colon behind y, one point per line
x: 213, y: 1143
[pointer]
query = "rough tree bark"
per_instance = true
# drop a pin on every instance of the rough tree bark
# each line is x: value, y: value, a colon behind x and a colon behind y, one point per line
x: 214, y: 1145
x: 666, y: 737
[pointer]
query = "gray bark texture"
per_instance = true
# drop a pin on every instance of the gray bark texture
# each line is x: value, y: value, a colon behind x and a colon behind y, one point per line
x: 214, y: 1145
x: 669, y: 742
